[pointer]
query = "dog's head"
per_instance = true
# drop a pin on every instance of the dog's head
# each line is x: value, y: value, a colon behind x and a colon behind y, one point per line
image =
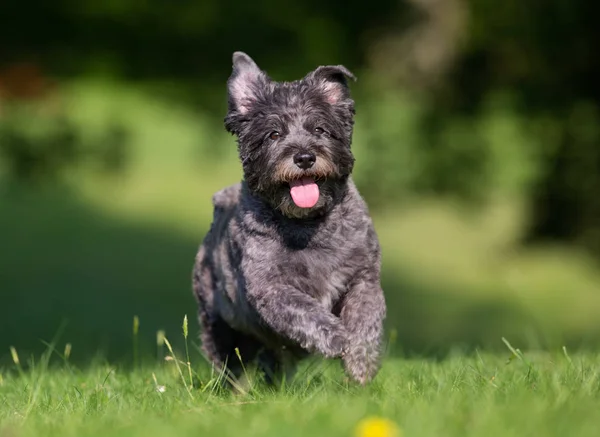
x: 294, y: 137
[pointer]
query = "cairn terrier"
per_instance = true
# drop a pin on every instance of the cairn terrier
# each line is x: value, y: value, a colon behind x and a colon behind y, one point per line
x: 291, y: 263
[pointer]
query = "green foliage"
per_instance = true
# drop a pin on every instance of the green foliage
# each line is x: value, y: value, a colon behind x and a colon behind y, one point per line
x: 492, y: 98
x: 405, y: 149
x: 39, y: 147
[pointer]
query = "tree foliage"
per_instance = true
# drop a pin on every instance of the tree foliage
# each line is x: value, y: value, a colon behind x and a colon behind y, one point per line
x: 463, y: 97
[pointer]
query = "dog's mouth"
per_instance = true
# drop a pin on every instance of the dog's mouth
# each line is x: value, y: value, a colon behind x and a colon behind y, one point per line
x: 304, y: 192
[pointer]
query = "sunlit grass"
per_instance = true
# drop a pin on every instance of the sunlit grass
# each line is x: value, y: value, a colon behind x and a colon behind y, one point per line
x: 512, y: 393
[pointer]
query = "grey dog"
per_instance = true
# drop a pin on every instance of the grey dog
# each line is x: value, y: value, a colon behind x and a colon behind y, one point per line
x: 291, y: 263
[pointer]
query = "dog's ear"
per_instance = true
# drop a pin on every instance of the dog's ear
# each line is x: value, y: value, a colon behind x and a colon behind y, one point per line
x: 333, y: 82
x: 244, y: 83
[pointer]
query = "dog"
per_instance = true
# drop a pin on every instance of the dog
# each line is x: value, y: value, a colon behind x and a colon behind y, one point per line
x: 291, y: 264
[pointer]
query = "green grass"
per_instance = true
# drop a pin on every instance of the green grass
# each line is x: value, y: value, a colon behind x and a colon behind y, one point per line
x: 480, y: 395
x: 100, y: 250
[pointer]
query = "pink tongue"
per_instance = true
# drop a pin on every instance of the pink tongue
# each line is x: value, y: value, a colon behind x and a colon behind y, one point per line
x: 305, y: 192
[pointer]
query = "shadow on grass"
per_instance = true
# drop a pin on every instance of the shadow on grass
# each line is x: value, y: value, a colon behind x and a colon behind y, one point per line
x: 62, y: 261
x: 65, y: 262
x: 433, y: 322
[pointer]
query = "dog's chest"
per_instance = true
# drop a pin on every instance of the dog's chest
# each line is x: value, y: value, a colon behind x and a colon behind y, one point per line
x: 335, y: 285
x: 323, y: 274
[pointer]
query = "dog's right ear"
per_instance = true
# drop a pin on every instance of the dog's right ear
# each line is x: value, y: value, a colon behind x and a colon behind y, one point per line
x: 244, y: 83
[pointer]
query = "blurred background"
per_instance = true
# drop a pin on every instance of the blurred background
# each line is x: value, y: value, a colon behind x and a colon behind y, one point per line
x: 477, y: 143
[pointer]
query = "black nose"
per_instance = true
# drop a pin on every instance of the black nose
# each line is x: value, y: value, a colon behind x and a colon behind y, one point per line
x: 304, y: 160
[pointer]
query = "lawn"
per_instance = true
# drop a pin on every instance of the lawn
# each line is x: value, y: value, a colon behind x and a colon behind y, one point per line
x: 82, y: 259
x: 508, y: 394
x: 101, y: 249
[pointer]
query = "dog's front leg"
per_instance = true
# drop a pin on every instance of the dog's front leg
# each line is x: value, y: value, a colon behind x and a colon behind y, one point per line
x: 301, y: 319
x: 362, y: 314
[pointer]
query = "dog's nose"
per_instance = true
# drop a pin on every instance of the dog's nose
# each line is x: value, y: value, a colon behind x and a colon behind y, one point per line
x: 304, y: 160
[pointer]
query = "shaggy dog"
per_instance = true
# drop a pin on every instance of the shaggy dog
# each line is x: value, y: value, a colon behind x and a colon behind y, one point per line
x: 291, y: 264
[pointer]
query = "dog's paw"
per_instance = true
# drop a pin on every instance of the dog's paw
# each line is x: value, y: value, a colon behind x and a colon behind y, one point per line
x: 361, y: 363
x: 338, y: 345
x: 334, y: 344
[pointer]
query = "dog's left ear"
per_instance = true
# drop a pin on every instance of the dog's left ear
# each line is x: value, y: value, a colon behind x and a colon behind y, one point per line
x: 333, y: 82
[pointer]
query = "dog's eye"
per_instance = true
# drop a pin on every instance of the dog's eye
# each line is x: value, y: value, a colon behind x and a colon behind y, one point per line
x: 319, y: 130
x: 274, y: 135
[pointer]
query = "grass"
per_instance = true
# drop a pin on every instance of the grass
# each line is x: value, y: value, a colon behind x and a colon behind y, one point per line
x: 509, y: 394
x: 102, y: 250
x: 451, y: 277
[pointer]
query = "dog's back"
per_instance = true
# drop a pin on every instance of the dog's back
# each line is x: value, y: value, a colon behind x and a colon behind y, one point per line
x: 228, y: 197
x: 224, y: 202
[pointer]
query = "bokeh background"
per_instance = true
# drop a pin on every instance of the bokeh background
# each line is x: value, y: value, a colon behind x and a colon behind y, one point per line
x: 477, y: 144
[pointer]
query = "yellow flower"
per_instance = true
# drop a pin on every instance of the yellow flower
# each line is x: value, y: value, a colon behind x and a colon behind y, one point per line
x: 377, y: 427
